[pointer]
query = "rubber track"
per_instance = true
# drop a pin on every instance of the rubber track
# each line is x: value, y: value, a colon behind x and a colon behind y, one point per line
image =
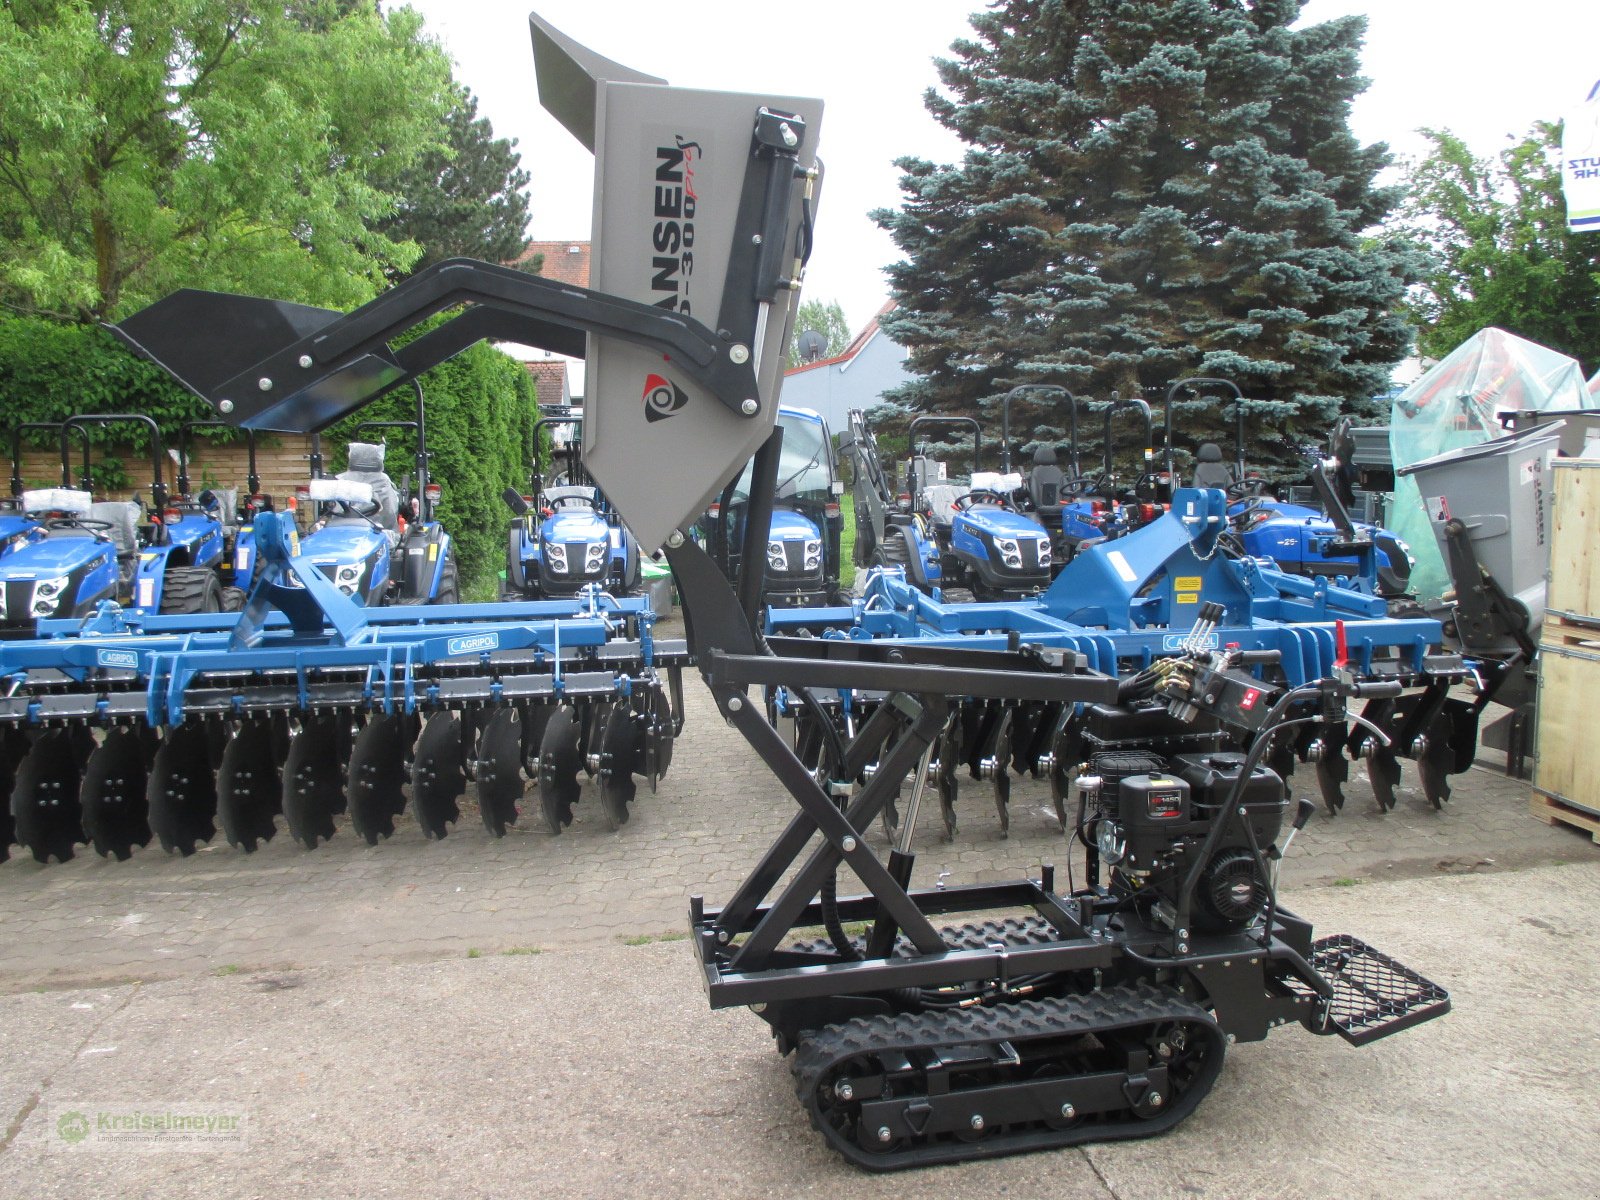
x: 1109, y: 1010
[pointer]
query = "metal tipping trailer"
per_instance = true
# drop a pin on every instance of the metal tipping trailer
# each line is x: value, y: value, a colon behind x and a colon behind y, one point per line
x: 1103, y: 1012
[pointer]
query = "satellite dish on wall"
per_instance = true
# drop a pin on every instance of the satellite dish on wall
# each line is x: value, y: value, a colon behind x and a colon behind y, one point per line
x: 812, y: 346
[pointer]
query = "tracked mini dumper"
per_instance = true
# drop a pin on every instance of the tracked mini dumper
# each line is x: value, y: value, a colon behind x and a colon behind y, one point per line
x: 1105, y: 1009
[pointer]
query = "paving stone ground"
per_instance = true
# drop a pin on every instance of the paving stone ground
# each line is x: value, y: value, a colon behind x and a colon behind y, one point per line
x: 162, y: 916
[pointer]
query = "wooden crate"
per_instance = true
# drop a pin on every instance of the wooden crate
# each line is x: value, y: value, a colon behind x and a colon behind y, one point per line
x: 1554, y: 812
x: 1575, y: 538
x: 1567, y: 749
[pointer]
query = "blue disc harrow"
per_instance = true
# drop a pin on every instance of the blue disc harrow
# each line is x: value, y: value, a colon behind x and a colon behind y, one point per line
x: 1123, y: 606
x: 127, y: 728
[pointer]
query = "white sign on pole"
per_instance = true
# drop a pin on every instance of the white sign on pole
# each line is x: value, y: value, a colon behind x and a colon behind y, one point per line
x: 1580, y: 165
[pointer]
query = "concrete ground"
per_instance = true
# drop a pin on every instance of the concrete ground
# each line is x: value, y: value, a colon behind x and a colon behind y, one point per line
x: 481, y: 1017
x: 598, y: 1071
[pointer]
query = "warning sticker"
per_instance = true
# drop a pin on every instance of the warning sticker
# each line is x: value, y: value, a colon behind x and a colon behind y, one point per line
x: 1438, y: 508
x: 1188, y: 598
x: 1187, y: 583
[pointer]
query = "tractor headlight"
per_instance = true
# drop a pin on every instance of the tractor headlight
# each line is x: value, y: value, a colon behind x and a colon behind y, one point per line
x: 556, y: 555
x: 1010, y: 552
x: 1044, y: 552
x: 776, y: 558
x: 595, y: 559
x: 813, y: 554
x: 349, y: 573
x: 47, y: 594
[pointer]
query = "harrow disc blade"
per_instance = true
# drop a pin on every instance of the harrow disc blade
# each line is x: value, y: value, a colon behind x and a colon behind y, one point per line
x: 1333, y: 771
x: 182, y: 791
x: 377, y: 777
x: 312, y: 788
x: 1383, y: 771
x: 621, y: 748
x: 658, y: 737
x: 1437, y: 760
x: 249, y: 795
x: 13, y: 746
x: 44, y: 798
x: 560, y: 760
x: 534, y: 719
x: 115, y: 811
x: 499, y: 771
x: 438, y: 775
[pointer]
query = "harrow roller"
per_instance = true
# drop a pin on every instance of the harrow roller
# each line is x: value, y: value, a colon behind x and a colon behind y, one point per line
x: 249, y: 794
x: 313, y: 792
x: 44, y: 796
x: 374, y: 793
x: 115, y: 809
x: 182, y: 791
x: 438, y: 774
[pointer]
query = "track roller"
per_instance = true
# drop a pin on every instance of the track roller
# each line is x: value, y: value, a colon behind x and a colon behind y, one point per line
x: 499, y: 770
x: 249, y: 795
x: 438, y: 774
x: 560, y: 760
x: 936, y: 1087
x: 115, y: 811
x: 313, y: 791
x: 182, y: 791
x: 44, y: 797
x: 377, y: 778
x: 622, y: 741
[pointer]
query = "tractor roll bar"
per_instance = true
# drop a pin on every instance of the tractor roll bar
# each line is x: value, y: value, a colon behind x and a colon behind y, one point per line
x: 1005, y: 421
x: 1194, y: 387
x: 17, y: 487
x: 158, y: 487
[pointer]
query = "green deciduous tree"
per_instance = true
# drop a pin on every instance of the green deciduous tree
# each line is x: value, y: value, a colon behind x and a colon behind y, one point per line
x: 827, y: 318
x: 235, y: 144
x: 465, y: 198
x: 1496, y: 232
x: 1155, y: 188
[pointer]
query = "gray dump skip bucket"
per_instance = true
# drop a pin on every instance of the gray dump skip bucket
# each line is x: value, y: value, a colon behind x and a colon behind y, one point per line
x: 1501, y: 492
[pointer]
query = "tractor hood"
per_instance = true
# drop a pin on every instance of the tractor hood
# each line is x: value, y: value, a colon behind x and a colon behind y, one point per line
x: 790, y: 526
x: 52, y: 557
x: 335, y: 545
x: 575, y: 526
x: 1000, y: 522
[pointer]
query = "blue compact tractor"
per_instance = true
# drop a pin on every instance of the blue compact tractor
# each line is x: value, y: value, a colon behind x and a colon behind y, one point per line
x: 971, y: 534
x: 76, y: 551
x: 377, y: 543
x: 1299, y: 539
x: 803, y: 536
x: 566, y: 535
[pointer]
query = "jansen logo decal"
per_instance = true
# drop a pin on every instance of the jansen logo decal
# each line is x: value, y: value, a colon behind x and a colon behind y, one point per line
x: 476, y: 643
x: 662, y: 398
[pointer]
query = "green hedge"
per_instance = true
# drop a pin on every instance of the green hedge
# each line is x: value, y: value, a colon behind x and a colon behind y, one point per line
x: 480, y: 409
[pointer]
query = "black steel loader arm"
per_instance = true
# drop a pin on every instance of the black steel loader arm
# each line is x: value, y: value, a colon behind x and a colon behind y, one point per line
x: 267, y: 364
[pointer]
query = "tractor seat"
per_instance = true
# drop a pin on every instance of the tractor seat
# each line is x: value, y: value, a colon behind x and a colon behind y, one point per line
x: 1045, y: 478
x: 366, y: 466
x: 123, y: 517
x: 1209, y: 469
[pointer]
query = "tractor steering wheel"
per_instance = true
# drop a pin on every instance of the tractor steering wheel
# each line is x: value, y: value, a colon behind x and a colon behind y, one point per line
x: 78, y: 523
x: 1251, y: 486
x: 980, y: 495
x: 561, y: 502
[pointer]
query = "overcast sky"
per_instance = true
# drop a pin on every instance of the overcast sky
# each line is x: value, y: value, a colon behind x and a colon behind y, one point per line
x: 1486, y: 69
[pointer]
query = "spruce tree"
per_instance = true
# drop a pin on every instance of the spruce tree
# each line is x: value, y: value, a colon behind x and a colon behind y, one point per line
x: 1154, y: 189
